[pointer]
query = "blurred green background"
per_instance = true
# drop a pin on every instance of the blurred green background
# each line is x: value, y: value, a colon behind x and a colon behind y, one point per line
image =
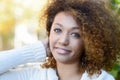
x: 19, y: 24
x: 114, y: 5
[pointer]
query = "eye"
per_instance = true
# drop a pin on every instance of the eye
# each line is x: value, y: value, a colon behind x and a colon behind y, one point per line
x: 57, y: 30
x: 76, y: 35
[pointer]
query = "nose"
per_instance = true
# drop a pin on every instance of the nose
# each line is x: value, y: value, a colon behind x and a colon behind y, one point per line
x: 64, y: 39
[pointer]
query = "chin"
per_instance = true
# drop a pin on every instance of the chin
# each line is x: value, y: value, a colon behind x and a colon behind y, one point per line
x: 61, y: 60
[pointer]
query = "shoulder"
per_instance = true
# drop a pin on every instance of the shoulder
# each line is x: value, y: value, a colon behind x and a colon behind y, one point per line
x: 103, y: 76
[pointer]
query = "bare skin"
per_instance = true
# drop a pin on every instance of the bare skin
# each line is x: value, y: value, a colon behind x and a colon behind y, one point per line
x: 69, y: 72
x: 66, y: 46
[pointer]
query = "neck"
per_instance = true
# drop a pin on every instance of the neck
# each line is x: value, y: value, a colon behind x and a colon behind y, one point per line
x: 69, y: 71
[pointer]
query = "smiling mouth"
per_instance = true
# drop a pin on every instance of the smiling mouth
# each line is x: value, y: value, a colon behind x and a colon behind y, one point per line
x: 62, y: 51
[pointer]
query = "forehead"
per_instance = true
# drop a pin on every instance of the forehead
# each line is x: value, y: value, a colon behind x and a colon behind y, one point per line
x: 65, y: 18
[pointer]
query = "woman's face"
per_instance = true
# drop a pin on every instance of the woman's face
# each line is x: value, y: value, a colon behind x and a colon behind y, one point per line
x: 65, y: 40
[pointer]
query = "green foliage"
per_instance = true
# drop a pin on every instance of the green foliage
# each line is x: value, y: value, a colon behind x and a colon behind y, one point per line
x: 117, y: 1
x: 115, y: 71
x: 115, y: 6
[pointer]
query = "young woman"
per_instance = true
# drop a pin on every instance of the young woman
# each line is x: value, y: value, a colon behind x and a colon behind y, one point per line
x: 83, y: 39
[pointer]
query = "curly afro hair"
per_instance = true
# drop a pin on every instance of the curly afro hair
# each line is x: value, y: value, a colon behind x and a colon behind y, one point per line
x: 99, y: 29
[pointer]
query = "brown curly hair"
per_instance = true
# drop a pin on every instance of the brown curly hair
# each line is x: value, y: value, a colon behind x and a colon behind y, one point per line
x: 100, y: 32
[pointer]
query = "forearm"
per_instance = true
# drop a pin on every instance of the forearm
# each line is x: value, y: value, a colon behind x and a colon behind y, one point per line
x: 11, y: 58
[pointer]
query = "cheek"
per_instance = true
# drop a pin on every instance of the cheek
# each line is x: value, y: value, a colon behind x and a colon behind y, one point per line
x: 52, y: 40
x: 78, y: 46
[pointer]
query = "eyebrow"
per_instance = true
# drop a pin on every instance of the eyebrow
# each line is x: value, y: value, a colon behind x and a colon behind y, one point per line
x: 76, y: 27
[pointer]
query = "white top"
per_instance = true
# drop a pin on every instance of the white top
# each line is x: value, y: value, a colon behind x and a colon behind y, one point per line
x: 33, y: 53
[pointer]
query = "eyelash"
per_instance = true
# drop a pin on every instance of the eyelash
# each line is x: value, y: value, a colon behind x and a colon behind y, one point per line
x: 74, y: 34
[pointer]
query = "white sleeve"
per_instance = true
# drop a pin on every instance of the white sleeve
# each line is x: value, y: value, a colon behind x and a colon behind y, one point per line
x: 105, y: 76
x: 12, y: 58
x: 17, y: 74
x: 30, y: 73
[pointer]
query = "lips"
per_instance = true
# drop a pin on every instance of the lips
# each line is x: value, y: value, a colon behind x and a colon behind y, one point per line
x: 62, y: 50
